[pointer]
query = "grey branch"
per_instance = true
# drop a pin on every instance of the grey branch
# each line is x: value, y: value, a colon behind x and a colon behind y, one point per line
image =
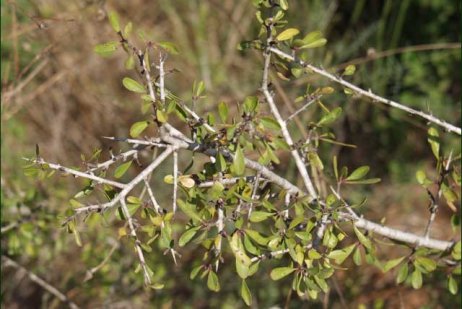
x: 449, y: 127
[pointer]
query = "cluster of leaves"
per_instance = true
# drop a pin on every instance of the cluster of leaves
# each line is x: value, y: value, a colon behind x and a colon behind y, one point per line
x: 255, y: 219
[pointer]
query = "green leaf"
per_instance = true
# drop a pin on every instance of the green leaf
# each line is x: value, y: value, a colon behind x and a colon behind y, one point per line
x: 427, y: 264
x: 223, y: 111
x: 311, y: 40
x: 128, y: 29
x: 189, y: 210
x: 195, y: 271
x: 198, y: 88
x: 245, y: 293
x: 170, y: 47
x: 270, y: 123
x: 287, y: 34
x: 284, y: 4
x: 187, y: 236
x: 452, y: 285
x: 121, y: 169
x: 133, y: 85
x: 138, y: 127
x: 242, y: 269
x: 169, y: 179
x: 250, y: 104
x: 212, y: 282
x: 421, y: 177
x: 416, y: 279
x: 456, y: 251
x: 114, y: 20
x: 238, y: 162
x: 258, y: 216
x: 402, y: 273
x: 257, y: 237
x: 340, y: 255
x: 364, y: 181
x: 161, y: 116
x: 281, y: 272
x: 357, y: 259
x: 134, y: 200
x: 349, y: 70
x: 335, y: 166
x: 315, y: 161
x: 330, y: 117
x: 366, y: 242
x: 392, y: 264
x: 106, y: 49
x: 434, y: 141
x: 359, y: 173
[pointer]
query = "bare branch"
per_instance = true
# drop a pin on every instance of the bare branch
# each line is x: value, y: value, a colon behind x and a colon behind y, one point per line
x: 139, y: 250
x: 447, y: 126
x: 285, y: 132
x: 78, y: 173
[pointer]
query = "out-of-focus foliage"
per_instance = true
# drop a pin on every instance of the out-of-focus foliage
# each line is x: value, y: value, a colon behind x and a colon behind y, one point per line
x: 56, y: 92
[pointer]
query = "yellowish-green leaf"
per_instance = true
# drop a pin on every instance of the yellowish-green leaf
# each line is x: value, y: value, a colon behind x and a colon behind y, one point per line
x: 106, y: 49
x: 114, y: 20
x: 366, y: 242
x: 281, y: 272
x: 392, y: 264
x: 170, y: 47
x: 359, y: 173
x: 245, y: 293
x: 340, y: 255
x: 287, y: 34
x: 212, y: 281
x: 133, y: 85
x: 258, y: 216
x: 416, y: 279
x: 161, y: 116
x: 452, y: 285
x: 122, y: 169
x: 138, y: 127
x: 434, y: 140
x: 169, y: 179
x: 239, y: 162
x: 187, y: 236
x: 349, y: 70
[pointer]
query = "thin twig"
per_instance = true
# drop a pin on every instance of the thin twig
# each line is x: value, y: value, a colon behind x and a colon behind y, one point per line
x: 175, y: 179
x: 285, y: 132
x: 301, y: 109
x: 74, y: 172
x: 449, y: 127
x: 435, y: 204
x: 6, y: 261
x: 155, y: 204
x: 139, y: 250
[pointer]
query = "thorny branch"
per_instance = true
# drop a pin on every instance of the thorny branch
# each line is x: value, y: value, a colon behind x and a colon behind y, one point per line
x: 447, y: 126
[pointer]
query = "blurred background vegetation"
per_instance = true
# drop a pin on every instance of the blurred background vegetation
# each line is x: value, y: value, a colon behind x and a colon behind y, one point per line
x: 56, y: 92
